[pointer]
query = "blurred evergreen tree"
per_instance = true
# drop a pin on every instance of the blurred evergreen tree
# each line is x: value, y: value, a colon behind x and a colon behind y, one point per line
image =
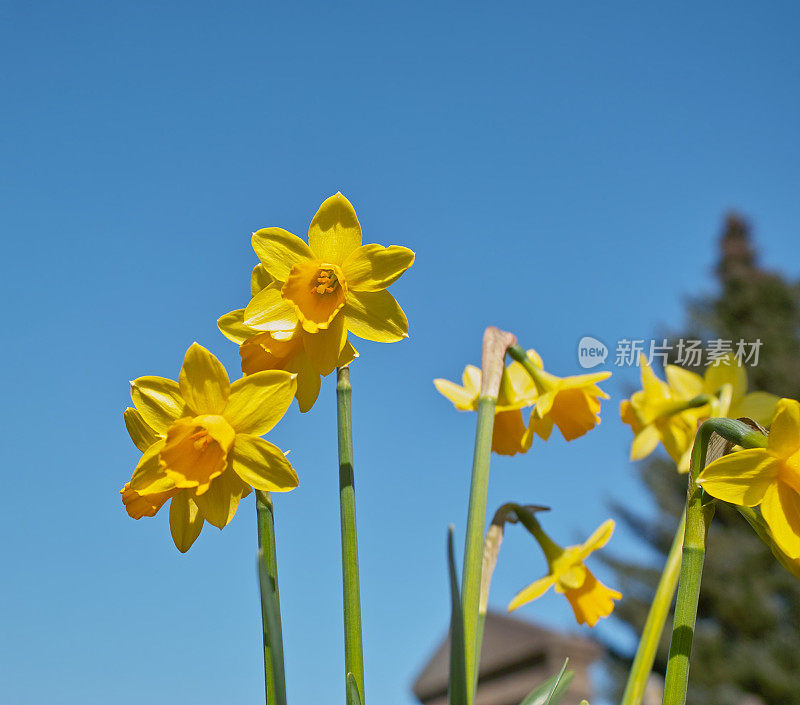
x: 747, y: 639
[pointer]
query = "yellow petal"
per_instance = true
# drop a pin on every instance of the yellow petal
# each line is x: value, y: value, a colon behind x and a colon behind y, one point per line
x: 375, y: 315
x: 279, y: 251
x: 149, y: 477
x: 262, y: 465
x: 308, y: 382
x: 541, y: 427
x: 530, y: 593
x: 600, y: 537
x: 592, y: 600
x: 471, y: 377
x: 644, y: 442
x: 684, y: 384
x: 784, y: 433
x: 374, y: 267
x: 348, y: 354
x: 324, y: 348
x: 265, y: 351
x: 159, y: 401
x: 218, y: 505
x: 574, y: 412
x: 652, y: 385
x: 727, y: 371
x: 268, y: 310
x: 139, y: 506
x: 758, y: 406
x: 510, y: 435
x: 185, y: 521
x: 258, y: 401
x: 334, y: 231
x: 741, y: 477
x: 141, y: 434
x: 203, y: 381
x: 781, y: 511
x: 463, y: 399
x: 259, y: 279
x: 232, y: 326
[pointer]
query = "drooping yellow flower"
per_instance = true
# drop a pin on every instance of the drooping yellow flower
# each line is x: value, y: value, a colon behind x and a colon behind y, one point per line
x: 571, y: 403
x: 658, y: 412
x: 278, y: 350
x: 511, y: 435
x: 589, y: 598
x: 329, y: 286
x: 200, y: 438
x: 765, y: 477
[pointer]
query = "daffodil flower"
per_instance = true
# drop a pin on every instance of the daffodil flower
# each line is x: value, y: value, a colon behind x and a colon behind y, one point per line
x: 659, y: 411
x: 517, y: 391
x: 589, y: 598
x: 278, y: 350
x: 765, y: 477
x: 200, y: 442
x: 571, y: 403
x: 329, y: 286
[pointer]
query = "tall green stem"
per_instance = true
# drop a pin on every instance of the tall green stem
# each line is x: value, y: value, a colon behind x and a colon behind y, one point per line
x: 699, y: 512
x: 353, y: 650
x: 495, y: 343
x: 654, y: 625
x: 273, y: 678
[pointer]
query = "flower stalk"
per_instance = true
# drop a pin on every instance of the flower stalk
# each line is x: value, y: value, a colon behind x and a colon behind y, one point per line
x: 699, y: 512
x: 495, y: 344
x: 273, y: 638
x: 654, y: 624
x: 353, y: 650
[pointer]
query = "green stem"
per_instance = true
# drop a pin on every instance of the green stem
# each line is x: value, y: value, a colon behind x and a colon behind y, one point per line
x: 699, y: 512
x: 473, y: 549
x: 654, y: 625
x: 266, y: 544
x: 353, y: 650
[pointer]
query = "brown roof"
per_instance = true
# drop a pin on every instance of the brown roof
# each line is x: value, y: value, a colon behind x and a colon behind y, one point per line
x: 515, y: 657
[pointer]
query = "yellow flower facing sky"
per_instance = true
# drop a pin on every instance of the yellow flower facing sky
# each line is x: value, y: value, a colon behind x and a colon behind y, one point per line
x: 658, y: 411
x: 277, y: 350
x: 334, y: 284
x: 765, y: 477
x: 510, y: 435
x: 589, y: 598
x: 201, y: 445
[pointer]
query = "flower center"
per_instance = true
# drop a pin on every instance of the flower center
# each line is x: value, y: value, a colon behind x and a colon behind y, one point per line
x: 196, y: 450
x: 327, y: 281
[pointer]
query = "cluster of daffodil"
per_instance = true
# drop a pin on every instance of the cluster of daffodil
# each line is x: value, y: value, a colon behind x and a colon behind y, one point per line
x: 500, y: 393
x: 200, y: 437
x: 757, y: 465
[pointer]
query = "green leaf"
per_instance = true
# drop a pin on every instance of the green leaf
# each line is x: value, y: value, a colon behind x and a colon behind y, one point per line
x: 552, y: 690
x: 457, y: 691
x: 353, y: 698
x: 269, y: 608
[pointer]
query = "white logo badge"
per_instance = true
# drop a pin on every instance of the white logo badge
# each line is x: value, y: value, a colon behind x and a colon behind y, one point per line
x: 591, y: 352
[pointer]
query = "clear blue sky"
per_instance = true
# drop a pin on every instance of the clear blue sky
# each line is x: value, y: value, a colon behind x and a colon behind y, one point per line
x: 559, y: 171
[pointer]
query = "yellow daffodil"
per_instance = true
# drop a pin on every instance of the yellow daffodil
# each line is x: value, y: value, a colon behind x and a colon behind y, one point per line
x: 589, y: 598
x: 200, y: 442
x: 726, y: 379
x: 517, y: 391
x: 277, y: 350
x: 571, y: 403
x: 766, y: 477
x: 334, y: 284
x: 657, y: 412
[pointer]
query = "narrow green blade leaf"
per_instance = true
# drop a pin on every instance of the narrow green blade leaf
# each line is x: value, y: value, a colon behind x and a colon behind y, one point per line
x: 552, y: 690
x: 271, y: 614
x: 353, y: 698
x: 457, y: 692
